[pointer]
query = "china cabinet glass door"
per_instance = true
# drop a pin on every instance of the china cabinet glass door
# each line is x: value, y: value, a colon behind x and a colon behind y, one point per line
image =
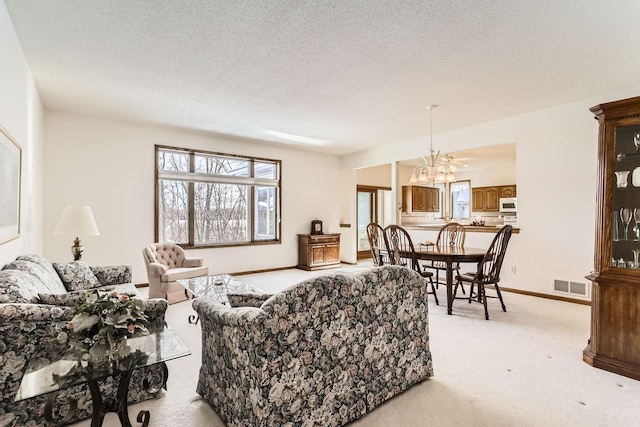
x: 625, y: 215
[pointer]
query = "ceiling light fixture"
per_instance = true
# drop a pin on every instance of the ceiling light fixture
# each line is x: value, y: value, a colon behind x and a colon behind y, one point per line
x: 433, y: 169
x: 445, y: 170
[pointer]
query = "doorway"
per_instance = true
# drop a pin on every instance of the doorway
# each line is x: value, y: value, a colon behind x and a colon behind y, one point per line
x: 374, y: 204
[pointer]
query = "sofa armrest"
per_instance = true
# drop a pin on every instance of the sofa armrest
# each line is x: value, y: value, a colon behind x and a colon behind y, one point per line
x: 28, y: 331
x: 247, y: 299
x: 224, y: 315
x: 29, y: 312
x: 192, y: 262
x: 155, y: 269
x: 112, y: 274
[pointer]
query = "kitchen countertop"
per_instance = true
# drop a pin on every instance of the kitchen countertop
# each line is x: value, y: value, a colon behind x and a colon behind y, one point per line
x: 468, y: 228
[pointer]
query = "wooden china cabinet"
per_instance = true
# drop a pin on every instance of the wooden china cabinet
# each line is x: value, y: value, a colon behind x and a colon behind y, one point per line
x: 615, y: 310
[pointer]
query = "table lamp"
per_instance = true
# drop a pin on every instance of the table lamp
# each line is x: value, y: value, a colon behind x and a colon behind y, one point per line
x: 76, y: 221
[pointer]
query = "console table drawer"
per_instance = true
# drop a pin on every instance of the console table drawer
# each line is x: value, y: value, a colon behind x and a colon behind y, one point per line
x: 324, y: 238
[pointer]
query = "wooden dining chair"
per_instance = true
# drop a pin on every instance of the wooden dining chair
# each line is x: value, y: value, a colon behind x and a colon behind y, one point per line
x: 378, y: 244
x: 488, y: 271
x: 402, y: 252
x: 451, y: 234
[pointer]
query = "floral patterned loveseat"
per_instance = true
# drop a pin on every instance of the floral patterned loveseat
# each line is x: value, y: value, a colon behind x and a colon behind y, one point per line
x: 27, y: 327
x: 321, y: 353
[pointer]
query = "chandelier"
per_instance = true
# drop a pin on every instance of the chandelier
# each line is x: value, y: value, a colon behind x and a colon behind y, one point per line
x: 445, y: 170
x: 434, y: 169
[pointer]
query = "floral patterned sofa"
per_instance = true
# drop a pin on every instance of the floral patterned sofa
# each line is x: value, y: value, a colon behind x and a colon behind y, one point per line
x: 321, y: 353
x: 27, y: 327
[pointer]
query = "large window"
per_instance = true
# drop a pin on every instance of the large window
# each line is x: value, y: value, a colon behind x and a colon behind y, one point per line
x: 212, y: 199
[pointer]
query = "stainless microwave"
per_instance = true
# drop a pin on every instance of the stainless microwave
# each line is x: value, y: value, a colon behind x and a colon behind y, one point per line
x: 508, y: 205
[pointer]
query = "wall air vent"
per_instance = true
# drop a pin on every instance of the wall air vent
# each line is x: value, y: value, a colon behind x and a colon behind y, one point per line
x: 561, y: 286
x: 578, y: 289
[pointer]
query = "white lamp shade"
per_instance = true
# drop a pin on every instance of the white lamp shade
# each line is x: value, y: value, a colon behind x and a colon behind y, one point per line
x: 76, y: 221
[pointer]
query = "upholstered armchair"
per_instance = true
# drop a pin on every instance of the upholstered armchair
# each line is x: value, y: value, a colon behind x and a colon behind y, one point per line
x: 167, y: 263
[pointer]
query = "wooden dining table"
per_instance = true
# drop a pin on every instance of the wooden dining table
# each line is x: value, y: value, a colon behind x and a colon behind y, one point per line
x: 450, y: 255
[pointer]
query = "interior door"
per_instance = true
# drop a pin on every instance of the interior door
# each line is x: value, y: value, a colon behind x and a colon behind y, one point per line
x: 374, y: 205
x: 367, y: 213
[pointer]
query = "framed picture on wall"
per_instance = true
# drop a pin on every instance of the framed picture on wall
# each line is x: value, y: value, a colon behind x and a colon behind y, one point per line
x: 10, y: 171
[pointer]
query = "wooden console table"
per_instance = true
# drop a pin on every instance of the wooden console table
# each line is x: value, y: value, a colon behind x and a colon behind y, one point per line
x: 316, y: 251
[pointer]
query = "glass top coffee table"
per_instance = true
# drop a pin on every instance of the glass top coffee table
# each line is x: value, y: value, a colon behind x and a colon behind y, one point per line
x: 216, y: 287
x: 47, y: 376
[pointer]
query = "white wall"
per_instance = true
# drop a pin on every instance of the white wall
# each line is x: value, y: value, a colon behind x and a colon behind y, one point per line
x: 348, y: 217
x: 486, y: 178
x: 21, y: 116
x: 377, y: 176
x: 556, y: 157
x: 110, y: 166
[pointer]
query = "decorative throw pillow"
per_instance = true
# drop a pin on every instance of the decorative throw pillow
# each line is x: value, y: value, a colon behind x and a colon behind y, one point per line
x: 247, y: 299
x: 76, y: 276
x: 70, y: 299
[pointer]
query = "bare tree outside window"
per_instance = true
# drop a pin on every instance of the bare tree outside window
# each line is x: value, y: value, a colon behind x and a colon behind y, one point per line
x: 221, y: 213
x: 207, y: 199
x: 173, y: 200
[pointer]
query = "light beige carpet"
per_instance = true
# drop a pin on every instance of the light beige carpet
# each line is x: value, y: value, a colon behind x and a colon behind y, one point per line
x: 521, y: 368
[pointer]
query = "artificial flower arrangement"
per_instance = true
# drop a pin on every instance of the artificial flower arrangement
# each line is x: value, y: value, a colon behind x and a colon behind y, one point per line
x: 101, y: 326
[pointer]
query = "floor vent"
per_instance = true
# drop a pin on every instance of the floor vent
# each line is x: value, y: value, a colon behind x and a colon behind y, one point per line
x: 572, y: 288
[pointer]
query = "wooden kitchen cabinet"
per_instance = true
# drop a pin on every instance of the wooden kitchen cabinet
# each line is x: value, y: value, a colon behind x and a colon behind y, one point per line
x: 433, y: 199
x: 477, y: 199
x: 420, y: 199
x: 487, y: 199
x: 491, y: 199
x: 507, y: 191
x: 615, y: 298
x: 317, y: 251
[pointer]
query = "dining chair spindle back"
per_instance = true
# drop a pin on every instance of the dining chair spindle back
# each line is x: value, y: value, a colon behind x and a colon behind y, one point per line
x: 451, y: 234
x: 488, y: 272
x: 378, y: 244
x: 402, y: 252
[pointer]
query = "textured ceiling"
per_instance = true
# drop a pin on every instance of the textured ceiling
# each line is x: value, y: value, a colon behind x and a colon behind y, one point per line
x: 356, y: 73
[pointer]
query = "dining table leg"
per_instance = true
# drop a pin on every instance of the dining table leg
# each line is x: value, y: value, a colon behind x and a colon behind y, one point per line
x: 449, y: 263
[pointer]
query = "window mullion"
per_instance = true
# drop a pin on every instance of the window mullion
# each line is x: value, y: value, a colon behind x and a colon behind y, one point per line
x: 218, y: 179
x: 252, y: 195
x: 192, y: 203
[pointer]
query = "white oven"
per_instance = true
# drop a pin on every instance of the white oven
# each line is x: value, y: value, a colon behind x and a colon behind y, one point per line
x: 509, y: 205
